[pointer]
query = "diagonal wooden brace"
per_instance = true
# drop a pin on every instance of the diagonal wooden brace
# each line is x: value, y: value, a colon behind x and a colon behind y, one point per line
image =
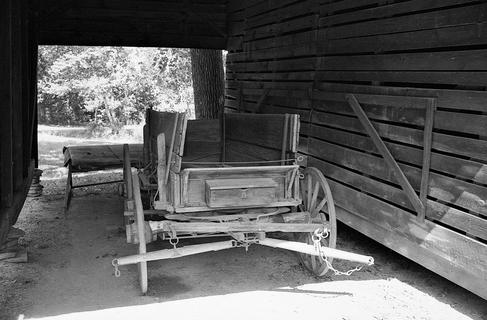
x: 384, y: 151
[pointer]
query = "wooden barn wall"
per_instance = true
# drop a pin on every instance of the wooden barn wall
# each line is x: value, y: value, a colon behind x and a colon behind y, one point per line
x: 144, y: 23
x: 18, y: 122
x: 303, y: 57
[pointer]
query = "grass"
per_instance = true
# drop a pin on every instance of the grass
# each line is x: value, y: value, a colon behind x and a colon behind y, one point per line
x: 52, y: 140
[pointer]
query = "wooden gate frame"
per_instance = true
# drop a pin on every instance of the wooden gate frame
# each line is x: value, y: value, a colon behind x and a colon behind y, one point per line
x: 419, y: 203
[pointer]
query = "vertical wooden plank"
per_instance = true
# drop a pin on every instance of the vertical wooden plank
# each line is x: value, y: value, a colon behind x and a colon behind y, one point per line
x: 27, y: 111
x: 427, y: 141
x: 17, y: 91
x: 162, y: 167
x: 33, y: 51
x: 6, y: 173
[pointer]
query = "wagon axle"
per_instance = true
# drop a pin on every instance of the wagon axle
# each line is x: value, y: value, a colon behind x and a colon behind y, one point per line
x: 222, y: 245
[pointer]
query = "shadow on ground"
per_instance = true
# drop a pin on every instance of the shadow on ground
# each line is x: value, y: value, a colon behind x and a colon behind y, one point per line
x: 70, y: 270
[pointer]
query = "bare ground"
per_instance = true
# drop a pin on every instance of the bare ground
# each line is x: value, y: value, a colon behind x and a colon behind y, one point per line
x: 69, y: 274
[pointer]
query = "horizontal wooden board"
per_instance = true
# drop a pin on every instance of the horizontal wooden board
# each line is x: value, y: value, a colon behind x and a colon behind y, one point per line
x: 446, y: 98
x: 386, y: 11
x: 421, y: 21
x: 429, y: 248
x: 456, y: 36
x: 473, y: 225
x: 242, y: 151
x: 296, y: 24
x: 442, y: 142
x: 100, y: 157
x: 396, y: 220
x: 266, y: 130
x: 453, y: 166
x: 456, y: 192
x: 135, y: 39
x: 474, y: 60
x: 403, y: 109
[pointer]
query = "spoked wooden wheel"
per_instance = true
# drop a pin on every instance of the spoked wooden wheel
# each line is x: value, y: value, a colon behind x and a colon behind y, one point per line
x: 317, y: 200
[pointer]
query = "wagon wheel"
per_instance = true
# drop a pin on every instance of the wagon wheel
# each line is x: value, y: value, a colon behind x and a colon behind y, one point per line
x: 317, y: 200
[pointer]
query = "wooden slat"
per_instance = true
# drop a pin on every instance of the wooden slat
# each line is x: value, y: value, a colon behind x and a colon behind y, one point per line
x: 447, y: 143
x: 401, y: 222
x: 203, y: 141
x: 99, y: 157
x: 446, y: 98
x: 473, y: 60
x: 408, y: 7
x: 384, y: 151
x: 136, y: 39
x: 6, y: 130
x: 260, y: 129
x: 436, y: 211
x: 19, y: 93
x: 461, y: 35
x: 391, y: 109
x: 430, y: 249
x: 420, y: 21
x: 452, y: 166
x: 426, y: 164
x: 456, y: 192
x: 241, y: 151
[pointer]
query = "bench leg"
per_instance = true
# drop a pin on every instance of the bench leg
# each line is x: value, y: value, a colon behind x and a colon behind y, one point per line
x: 69, y: 189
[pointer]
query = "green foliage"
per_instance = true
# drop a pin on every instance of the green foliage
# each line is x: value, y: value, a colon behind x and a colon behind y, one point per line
x: 111, y: 86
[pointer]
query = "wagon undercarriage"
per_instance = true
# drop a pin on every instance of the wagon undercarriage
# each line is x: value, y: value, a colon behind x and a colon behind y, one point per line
x: 208, y: 178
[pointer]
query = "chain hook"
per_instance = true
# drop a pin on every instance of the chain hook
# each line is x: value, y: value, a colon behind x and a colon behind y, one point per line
x: 115, y: 265
x: 316, y: 237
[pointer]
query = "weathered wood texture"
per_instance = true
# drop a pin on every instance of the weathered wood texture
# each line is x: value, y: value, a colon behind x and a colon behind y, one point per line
x: 395, y: 57
x: 18, y: 61
x: 163, y: 23
x: 100, y: 157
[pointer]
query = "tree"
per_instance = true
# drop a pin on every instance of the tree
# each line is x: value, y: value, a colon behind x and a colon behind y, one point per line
x: 208, y: 82
x: 111, y: 86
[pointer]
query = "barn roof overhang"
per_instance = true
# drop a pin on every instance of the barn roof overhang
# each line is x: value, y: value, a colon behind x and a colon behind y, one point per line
x: 144, y: 23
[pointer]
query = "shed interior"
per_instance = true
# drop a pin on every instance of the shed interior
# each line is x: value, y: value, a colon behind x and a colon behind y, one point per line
x: 417, y: 68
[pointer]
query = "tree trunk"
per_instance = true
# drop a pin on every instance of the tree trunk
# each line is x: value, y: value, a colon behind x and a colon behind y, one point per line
x: 208, y: 82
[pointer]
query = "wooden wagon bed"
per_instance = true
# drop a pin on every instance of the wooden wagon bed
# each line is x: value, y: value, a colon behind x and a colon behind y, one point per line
x: 94, y: 158
x: 238, y: 177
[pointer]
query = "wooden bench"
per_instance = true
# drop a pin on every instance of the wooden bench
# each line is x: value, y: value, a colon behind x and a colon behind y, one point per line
x: 94, y: 158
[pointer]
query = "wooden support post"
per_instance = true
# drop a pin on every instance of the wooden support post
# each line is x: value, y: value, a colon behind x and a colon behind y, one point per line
x: 146, y: 150
x: 427, y: 142
x: 127, y: 173
x: 18, y: 92
x: 223, y: 139
x: 380, y: 145
x: 139, y: 214
x: 69, y: 188
x: 161, y: 168
x: 6, y: 130
x: 285, y: 133
x: 171, y: 147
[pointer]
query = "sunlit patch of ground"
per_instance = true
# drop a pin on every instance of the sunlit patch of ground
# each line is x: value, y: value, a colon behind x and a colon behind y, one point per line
x: 367, y: 299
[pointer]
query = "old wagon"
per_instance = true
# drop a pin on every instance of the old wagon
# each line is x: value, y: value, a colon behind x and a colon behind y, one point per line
x: 239, y: 176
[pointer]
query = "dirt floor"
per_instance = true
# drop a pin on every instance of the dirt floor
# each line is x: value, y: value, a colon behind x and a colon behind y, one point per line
x: 69, y: 273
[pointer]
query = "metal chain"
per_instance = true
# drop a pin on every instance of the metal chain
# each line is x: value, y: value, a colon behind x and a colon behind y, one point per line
x: 173, y: 237
x: 115, y: 265
x: 317, y: 236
